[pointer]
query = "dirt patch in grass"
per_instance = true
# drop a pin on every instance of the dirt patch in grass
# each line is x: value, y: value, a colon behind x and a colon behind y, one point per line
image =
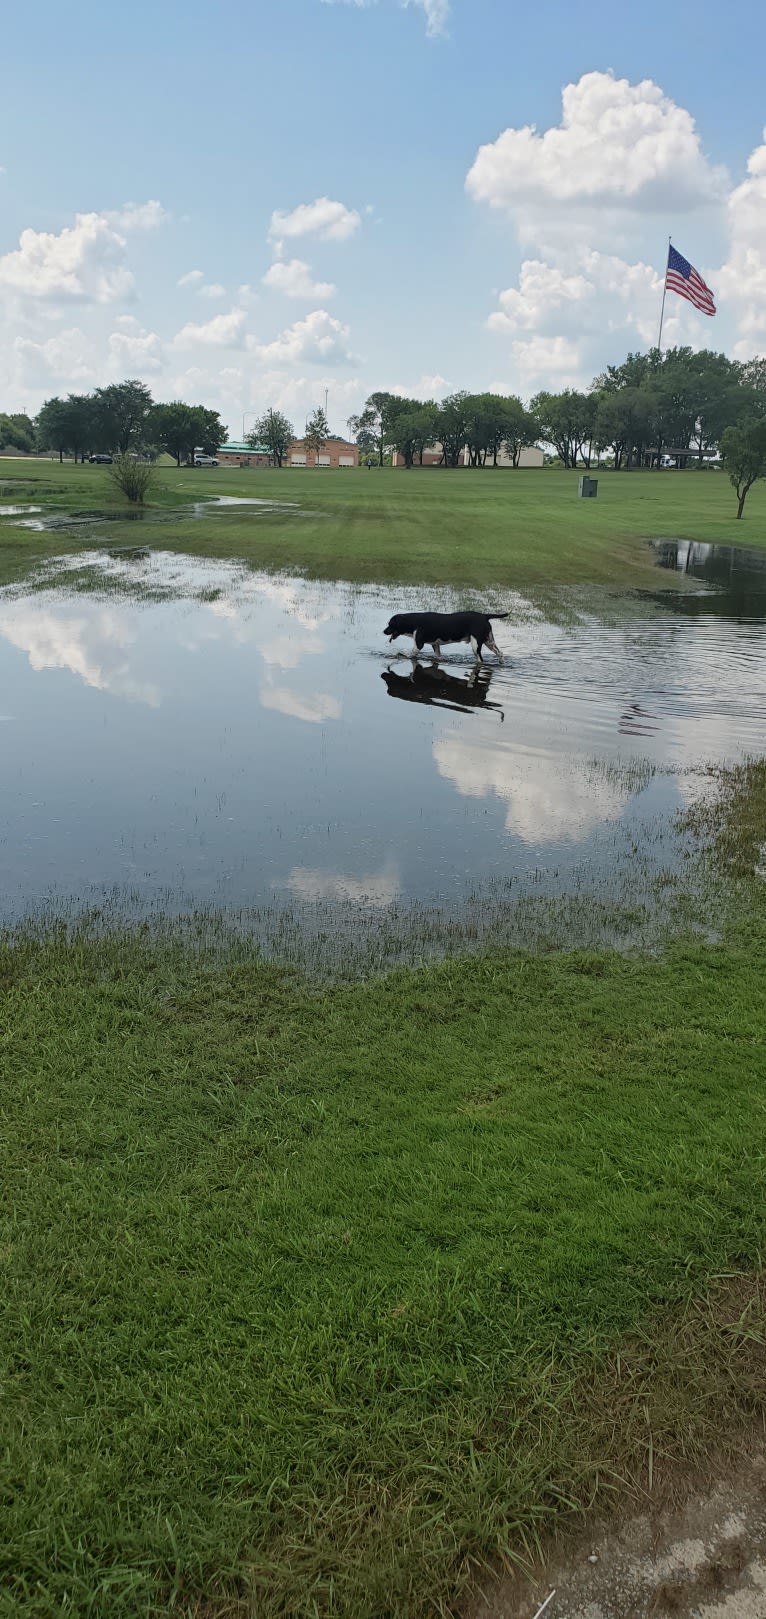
x: 703, y: 1560
x: 680, y: 1414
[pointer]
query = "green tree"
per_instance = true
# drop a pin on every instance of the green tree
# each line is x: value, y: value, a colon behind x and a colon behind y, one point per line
x: 694, y: 395
x: 567, y: 420
x: 636, y: 371
x: 372, y: 428
x: 317, y: 432
x: 412, y: 428
x: 753, y: 378
x: 402, y: 430
x: 274, y: 430
x: 17, y: 432
x: 522, y: 428
x: 121, y: 416
x: 180, y: 429
x: 719, y: 397
x: 171, y: 428
x: 623, y: 424
x: 79, y: 418
x: 451, y: 427
x: 53, y: 426
x: 675, y: 388
x: 486, y: 426
x: 743, y: 452
x: 210, y: 432
x: 362, y: 431
x: 426, y: 428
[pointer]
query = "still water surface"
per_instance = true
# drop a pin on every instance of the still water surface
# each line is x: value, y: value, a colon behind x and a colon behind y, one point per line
x: 179, y: 733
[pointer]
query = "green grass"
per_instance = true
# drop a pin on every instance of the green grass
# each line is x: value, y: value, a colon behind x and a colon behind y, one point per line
x: 311, y: 1298
x: 523, y: 529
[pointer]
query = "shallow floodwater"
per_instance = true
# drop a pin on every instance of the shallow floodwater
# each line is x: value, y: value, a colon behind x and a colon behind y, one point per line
x: 214, y: 505
x: 180, y: 734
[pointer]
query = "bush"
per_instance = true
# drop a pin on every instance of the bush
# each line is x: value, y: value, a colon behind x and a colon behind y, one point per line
x: 132, y: 478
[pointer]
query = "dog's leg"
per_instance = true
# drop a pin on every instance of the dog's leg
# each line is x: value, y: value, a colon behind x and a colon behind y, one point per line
x: 436, y: 648
x: 476, y: 645
x: 493, y: 647
x: 415, y: 648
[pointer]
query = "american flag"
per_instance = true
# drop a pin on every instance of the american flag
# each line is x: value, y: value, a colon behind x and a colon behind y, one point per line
x: 681, y: 277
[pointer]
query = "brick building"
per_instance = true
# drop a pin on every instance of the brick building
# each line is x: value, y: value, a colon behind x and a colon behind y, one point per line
x: 335, y: 452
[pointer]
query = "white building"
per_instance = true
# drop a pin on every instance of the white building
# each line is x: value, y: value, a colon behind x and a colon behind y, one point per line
x: 531, y: 456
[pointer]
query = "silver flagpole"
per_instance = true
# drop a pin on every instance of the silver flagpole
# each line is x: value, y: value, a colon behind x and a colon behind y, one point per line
x: 662, y: 311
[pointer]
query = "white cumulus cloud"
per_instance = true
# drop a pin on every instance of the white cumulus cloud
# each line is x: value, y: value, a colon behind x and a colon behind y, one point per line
x: 191, y: 278
x: 627, y: 146
x: 430, y: 385
x: 131, y: 353
x: 298, y: 394
x: 330, y: 221
x: 68, y: 355
x: 223, y: 331
x: 549, y: 362
x: 84, y: 262
x: 596, y: 292
x: 138, y: 216
x: 741, y: 282
x: 292, y: 277
x: 320, y: 339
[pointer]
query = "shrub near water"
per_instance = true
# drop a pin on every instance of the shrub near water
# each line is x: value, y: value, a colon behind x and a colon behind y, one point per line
x: 133, y: 478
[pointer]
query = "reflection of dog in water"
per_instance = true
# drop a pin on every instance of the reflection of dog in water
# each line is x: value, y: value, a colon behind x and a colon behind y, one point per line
x: 427, y: 683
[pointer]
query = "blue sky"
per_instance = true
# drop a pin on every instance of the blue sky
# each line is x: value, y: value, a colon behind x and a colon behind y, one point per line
x: 427, y: 242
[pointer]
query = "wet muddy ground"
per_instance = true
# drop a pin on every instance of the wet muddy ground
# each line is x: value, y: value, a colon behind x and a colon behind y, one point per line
x: 703, y: 1560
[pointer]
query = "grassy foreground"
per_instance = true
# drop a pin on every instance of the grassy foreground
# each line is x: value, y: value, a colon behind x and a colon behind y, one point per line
x: 309, y: 1298
x: 525, y: 529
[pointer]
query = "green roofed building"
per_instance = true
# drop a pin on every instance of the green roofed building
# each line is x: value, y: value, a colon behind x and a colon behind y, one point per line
x: 244, y: 455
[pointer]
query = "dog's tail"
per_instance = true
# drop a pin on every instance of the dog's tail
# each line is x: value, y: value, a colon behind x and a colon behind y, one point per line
x: 498, y: 615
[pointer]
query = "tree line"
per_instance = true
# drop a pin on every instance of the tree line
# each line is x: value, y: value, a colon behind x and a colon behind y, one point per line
x: 486, y: 423
x: 678, y: 403
x: 123, y: 419
x: 681, y: 404
x: 119, y: 420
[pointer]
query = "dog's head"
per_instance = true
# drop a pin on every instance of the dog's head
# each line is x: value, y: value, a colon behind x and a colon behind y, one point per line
x: 394, y: 627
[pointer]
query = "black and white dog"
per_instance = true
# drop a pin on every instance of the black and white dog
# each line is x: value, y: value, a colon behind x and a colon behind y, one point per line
x: 439, y: 629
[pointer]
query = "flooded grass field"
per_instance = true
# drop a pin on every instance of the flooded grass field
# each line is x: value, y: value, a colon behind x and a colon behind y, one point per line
x: 192, y: 738
x: 313, y: 1281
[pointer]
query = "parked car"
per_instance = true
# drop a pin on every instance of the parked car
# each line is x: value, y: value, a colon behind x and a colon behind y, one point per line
x: 202, y: 460
x: 100, y: 460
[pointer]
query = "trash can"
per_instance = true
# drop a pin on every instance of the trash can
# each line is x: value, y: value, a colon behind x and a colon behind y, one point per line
x: 587, y: 488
